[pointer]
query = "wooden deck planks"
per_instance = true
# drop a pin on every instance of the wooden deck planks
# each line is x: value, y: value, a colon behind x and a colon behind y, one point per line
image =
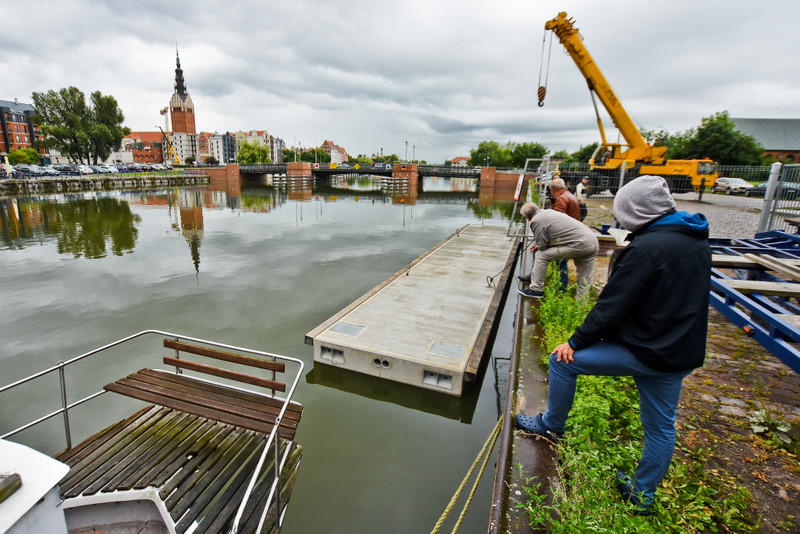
x: 204, y: 466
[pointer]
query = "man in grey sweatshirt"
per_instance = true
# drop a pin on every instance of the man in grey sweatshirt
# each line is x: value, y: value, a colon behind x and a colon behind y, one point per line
x: 558, y: 236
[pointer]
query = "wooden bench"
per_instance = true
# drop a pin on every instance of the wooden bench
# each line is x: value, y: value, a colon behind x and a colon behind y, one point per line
x: 217, y: 402
x: 198, y: 444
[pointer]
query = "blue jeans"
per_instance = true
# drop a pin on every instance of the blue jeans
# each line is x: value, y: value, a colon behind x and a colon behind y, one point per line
x: 658, y: 401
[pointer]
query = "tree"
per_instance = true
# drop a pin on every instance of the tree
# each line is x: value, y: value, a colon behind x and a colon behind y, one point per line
x: 583, y: 154
x: 490, y: 154
x: 521, y: 152
x: 211, y: 160
x: 315, y: 155
x: 80, y: 132
x: 23, y: 155
x: 717, y: 138
x: 560, y: 154
x: 251, y: 153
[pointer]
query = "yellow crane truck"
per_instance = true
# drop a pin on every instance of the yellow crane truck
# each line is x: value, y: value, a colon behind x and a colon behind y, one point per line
x: 636, y: 155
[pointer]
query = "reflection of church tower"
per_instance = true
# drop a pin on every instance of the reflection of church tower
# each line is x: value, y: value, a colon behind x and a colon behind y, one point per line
x: 190, y: 208
x: 181, y: 110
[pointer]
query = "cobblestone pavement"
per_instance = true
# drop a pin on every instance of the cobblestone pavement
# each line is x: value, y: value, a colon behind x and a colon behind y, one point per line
x: 729, y: 216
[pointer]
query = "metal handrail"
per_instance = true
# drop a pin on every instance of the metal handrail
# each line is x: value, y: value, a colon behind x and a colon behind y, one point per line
x: 61, y: 366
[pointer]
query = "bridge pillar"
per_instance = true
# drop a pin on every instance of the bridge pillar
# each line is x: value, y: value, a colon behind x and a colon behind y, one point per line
x: 298, y: 169
x: 408, y: 173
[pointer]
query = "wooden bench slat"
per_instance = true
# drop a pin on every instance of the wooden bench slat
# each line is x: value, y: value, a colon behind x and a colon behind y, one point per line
x: 266, y: 415
x: 226, y: 356
x: 225, y: 373
x: 188, y: 386
x: 188, y: 407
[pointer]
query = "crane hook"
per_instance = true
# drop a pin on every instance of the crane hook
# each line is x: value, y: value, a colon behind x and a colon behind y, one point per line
x: 542, y: 92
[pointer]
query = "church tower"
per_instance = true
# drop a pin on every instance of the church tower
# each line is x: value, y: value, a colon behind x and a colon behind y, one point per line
x: 181, y: 110
x: 181, y: 106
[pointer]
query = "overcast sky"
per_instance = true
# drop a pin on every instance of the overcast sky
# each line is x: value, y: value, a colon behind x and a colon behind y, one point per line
x: 439, y: 75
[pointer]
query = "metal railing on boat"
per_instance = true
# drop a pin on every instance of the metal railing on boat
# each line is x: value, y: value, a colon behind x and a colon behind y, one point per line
x: 272, y: 439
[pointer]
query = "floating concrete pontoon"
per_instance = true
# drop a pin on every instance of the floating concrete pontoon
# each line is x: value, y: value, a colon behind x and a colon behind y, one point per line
x: 429, y: 324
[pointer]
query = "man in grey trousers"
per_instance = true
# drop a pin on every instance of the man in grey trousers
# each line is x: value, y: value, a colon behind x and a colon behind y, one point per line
x: 558, y: 236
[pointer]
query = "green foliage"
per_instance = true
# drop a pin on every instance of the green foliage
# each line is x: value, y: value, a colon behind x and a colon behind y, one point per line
x: 211, y: 160
x: 716, y: 138
x: 23, y: 155
x: 775, y: 430
x: 560, y: 154
x: 189, y: 160
x: 583, y: 154
x: 315, y: 155
x: 604, y: 434
x: 81, y: 132
x: 252, y: 153
x: 491, y: 154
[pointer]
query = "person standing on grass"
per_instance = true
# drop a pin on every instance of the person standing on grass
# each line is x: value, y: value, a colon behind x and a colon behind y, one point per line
x: 650, y: 322
x: 559, y: 237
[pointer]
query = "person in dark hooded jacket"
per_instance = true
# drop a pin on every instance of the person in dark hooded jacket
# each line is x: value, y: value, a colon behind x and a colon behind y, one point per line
x: 650, y: 322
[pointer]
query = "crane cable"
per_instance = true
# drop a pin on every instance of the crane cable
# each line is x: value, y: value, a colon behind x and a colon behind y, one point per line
x: 543, y: 88
x: 487, y: 450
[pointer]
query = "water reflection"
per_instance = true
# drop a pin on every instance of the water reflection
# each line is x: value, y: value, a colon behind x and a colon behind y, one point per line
x: 89, y: 225
x: 82, y: 227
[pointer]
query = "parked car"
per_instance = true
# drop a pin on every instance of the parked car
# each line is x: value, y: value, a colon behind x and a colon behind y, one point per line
x: 85, y: 169
x: 789, y: 191
x: 730, y: 185
x: 111, y: 169
x: 51, y: 170
x: 30, y: 170
x: 99, y: 169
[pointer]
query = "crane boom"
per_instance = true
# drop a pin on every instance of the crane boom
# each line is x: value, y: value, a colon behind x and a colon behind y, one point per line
x: 638, y: 148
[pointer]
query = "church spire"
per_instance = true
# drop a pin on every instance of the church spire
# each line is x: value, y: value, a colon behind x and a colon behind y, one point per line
x: 180, y: 85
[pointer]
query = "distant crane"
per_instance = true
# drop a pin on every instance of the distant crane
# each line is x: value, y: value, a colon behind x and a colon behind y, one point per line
x: 165, y: 131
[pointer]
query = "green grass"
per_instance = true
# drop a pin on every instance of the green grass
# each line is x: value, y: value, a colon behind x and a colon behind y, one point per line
x: 604, y: 434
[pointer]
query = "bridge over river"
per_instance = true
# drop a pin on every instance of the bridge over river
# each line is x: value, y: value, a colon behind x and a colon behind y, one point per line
x: 386, y: 169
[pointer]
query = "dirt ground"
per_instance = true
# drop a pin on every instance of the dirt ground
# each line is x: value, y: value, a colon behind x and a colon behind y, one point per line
x: 740, y: 377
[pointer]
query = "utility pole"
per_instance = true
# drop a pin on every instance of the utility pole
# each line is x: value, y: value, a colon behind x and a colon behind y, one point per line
x: 406, y: 151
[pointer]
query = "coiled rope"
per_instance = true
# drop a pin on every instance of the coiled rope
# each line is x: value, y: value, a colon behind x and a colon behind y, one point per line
x: 487, y: 450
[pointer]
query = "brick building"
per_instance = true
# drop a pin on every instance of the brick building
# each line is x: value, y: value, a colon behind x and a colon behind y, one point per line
x: 337, y: 153
x: 16, y: 127
x: 146, y: 147
x: 779, y: 137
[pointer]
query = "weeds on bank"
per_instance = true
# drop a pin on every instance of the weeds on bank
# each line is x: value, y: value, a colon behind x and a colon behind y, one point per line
x: 604, y: 434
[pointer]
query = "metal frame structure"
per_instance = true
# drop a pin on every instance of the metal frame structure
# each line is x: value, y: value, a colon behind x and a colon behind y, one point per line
x: 760, y: 316
x: 272, y: 439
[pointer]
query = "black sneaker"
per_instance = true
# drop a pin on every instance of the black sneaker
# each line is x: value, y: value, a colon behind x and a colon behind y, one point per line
x: 532, y: 293
x: 624, y: 488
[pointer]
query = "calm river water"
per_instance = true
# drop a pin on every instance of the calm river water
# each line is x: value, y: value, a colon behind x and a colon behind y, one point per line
x: 258, y: 267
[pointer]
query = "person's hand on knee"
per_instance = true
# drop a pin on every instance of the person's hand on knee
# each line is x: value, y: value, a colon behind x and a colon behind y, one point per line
x: 564, y: 353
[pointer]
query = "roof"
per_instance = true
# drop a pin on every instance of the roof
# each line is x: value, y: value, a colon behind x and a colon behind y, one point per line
x: 153, y: 137
x: 773, y: 134
x: 460, y: 158
x: 16, y: 107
